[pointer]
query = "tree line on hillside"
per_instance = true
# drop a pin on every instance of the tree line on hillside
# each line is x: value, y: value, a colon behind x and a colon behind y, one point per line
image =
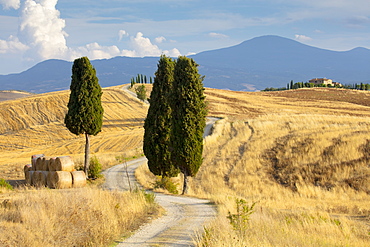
x: 173, y: 138
x: 141, y: 79
x: 292, y: 85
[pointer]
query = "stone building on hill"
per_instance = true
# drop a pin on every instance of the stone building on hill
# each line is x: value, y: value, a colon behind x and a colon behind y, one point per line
x: 325, y: 81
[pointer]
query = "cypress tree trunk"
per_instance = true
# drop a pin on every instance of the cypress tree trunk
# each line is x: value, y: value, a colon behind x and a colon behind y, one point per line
x: 185, y: 187
x: 87, y: 155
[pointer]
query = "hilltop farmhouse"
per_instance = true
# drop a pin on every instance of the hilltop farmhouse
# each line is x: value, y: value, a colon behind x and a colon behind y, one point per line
x: 325, y: 81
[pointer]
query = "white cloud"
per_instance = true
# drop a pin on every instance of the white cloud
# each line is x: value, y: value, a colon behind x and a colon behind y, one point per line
x: 121, y: 34
x: 41, y: 36
x: 302, y: 38
x: 217, y: 35
x: 41, y: 29
x: 172, y: 53
x: 160, y: 39
x: 143, y: 46
x: 12, y: 45
x: 7, y: 4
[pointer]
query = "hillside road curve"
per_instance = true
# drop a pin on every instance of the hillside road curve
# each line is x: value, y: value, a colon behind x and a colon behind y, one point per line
x: 184, y: 217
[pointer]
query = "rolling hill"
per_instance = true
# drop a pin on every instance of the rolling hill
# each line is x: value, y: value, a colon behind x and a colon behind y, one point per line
x: 301, y: 155
x: 267, y: 61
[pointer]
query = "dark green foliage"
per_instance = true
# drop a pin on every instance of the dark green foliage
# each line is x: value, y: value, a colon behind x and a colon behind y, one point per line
x: 274, y: 89
x: 141, y: 92
x: 158, y: 122
x: 85, y: 112
x: 188, y: 117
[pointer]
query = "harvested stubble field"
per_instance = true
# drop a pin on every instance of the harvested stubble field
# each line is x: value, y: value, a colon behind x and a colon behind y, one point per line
x: 35, y: 125
x: 11, y: 95
x: 301, y: 155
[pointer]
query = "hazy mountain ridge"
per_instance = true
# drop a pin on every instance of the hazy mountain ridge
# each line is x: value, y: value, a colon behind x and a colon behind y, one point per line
x: 267, y: 61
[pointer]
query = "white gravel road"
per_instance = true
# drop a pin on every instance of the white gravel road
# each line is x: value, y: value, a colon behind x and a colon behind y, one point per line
x: 184, y: 217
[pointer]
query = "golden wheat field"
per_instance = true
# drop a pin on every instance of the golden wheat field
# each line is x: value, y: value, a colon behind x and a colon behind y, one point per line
x: 35, y: 125
x: 301, y: 155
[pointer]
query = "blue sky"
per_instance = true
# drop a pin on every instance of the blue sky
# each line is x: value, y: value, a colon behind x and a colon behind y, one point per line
x: 34, y: 30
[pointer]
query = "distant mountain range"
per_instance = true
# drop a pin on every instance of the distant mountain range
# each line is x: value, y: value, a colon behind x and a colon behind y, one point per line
x: 267, y: 61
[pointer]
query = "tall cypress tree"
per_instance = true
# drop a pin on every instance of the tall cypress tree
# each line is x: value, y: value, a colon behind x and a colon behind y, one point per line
x: 188, y: 118
x: 85, y: 111
x: 158, y: 122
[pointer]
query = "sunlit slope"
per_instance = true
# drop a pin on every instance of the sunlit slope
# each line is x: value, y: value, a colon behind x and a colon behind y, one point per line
x: 35, y: 125
x: 299, y: 139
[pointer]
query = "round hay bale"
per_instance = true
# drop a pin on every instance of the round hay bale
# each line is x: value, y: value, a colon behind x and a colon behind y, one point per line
x: 34, y: 158
x: 28, y: 176
x: 45, y: 164
x: 51, y: 164
x: 26, y: 169
x: 64, y: 163
x: 39, y: 178
x: 78, y: 179
x: 39, y: 164
x: 59, y: 180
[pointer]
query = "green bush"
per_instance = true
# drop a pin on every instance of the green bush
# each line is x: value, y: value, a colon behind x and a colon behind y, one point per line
x: 141, y: 92
x: 166, y: 183
x: 5, y: 184
x: 94, y: 168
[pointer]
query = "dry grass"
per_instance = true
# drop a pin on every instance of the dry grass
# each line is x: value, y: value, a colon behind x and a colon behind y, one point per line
x: 302, y: 155
x: 35, y: 125
x: 76, y: 217
x: 11, y: 95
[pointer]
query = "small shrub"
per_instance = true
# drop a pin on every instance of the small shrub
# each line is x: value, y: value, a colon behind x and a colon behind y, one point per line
x: 94, y: 168
x: 5, y: 184
x: 141, y: 92
x: 149, y: 197
x: 166, y: 183
x: 240, y: 220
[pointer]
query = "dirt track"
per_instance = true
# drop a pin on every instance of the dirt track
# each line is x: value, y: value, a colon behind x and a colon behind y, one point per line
x: 184, y: 217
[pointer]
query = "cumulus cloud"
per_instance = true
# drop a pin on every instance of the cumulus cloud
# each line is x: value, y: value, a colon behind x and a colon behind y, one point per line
x: 41, y: 28
x: 12, y: 45
x: 41, y: 36
x: 7, y: 4
x: 160, y: 39
x: 217, y: 35
x: 302, y: 38
x: 121, y: 34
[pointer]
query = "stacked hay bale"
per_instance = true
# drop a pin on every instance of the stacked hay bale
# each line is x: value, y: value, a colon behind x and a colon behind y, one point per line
x: 53, y: 172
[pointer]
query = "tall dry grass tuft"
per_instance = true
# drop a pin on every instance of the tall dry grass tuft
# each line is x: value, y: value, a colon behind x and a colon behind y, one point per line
x: 78, y: 217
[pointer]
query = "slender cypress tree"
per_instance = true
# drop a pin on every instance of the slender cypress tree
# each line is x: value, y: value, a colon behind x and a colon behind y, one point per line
x: 158, y: 122
x: 188, y: 118
x: 85, y: 111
